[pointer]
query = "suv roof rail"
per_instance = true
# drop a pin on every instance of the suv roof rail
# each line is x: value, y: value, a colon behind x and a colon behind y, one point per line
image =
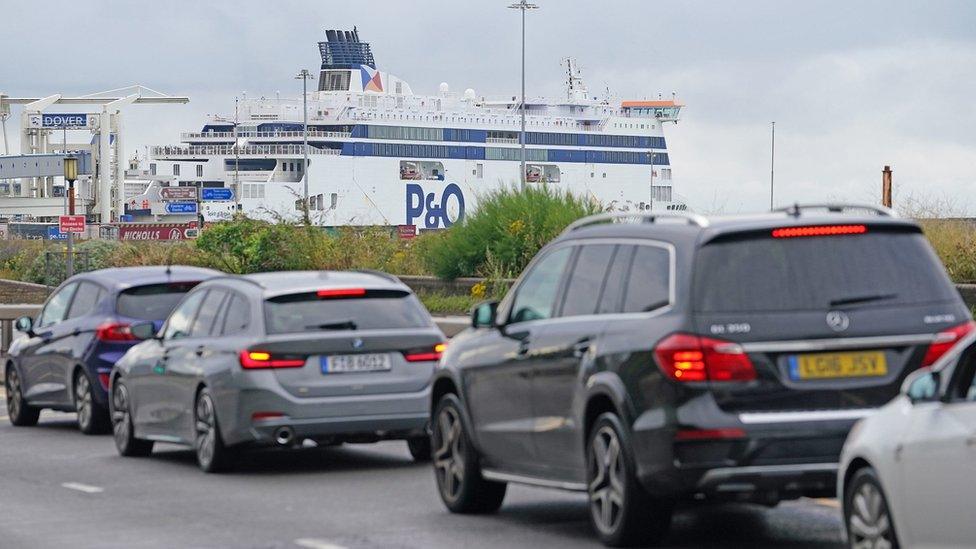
x: 836, y: 207
x: 691, y: 218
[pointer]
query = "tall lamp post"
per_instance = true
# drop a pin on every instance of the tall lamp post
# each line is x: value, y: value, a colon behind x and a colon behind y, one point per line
x: 304, y: 75
x: 70, y: 175
x: 650, y: 157
x: 523, y: 5
x: 772, y: 160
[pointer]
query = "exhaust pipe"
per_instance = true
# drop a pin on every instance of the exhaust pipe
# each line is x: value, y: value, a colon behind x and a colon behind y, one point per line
x: 284, y: 436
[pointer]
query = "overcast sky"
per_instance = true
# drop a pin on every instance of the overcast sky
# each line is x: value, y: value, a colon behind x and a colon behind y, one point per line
x: 852, y: 85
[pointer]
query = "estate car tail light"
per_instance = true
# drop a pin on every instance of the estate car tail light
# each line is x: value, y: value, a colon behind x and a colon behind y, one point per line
x: 341, y: 292
x: 946, y: 340
x: 260, y: 360
x: 819, y: 230
x: 114, y: 331
x: 425, y: 354
x: 688, y: 357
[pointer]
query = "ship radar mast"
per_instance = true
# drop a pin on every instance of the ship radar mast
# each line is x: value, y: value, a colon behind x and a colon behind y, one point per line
x: 575, y: 87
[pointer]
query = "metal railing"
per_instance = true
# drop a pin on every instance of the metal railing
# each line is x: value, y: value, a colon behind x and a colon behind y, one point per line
x: 232, y: 135
x: 636, y: 217
x: 230, y: 150
x: 8, y: 314
x: 512, y: 140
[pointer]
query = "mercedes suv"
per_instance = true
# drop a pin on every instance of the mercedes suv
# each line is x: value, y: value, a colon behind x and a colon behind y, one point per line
x: 654, y: 359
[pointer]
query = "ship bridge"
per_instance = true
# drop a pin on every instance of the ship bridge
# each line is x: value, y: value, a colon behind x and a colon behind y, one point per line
x: 667, y: 110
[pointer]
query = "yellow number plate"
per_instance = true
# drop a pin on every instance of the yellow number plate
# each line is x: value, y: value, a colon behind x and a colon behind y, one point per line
x: 838, y: 365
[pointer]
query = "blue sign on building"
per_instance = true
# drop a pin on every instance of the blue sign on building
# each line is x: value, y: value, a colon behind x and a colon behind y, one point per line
x: 69, y: 120
x: 54, y: 234
x: 181, y: 207
x: 125, y: 218
x: 216, y: 193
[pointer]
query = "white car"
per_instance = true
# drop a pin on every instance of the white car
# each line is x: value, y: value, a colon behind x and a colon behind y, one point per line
x: 907, y: 475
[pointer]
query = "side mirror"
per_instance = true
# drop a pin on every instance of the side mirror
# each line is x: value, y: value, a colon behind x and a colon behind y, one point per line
x: 143, y: 330
x: 483, y: 314
x: 25, y: 324
x: 922, y: 386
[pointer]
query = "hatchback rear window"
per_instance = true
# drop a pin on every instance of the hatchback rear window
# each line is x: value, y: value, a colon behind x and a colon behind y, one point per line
x: 374, y: 310
x: 761, y: 273
x: 152, y: 301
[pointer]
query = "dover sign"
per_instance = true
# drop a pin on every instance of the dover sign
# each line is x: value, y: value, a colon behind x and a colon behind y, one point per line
x: 68, y: 121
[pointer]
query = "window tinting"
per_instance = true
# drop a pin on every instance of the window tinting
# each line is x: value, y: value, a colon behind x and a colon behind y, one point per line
x: 86, y: 297
x: 178, y: 324
x: 613, y: 289
x: 537, y: 293
x: 586, y: 280
x: 649, y: 281
x: 57, y: 306
x: 782, y: 274
x: 152, y: 301
x: 238, y: 316
x: 378, y: 310
x: 203, y: 325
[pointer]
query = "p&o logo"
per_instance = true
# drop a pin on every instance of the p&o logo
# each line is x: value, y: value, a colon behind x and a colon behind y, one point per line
x: 434, y: 213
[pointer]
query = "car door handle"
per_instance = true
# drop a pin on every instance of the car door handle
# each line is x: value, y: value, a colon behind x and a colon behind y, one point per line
x: 523, y: 348
x: 200, y: 350
x: 581, y: 348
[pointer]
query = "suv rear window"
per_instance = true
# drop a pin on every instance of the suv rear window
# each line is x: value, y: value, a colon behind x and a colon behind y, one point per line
x: 377, y: 310
x: 761, y: 273
x: 152, y: 301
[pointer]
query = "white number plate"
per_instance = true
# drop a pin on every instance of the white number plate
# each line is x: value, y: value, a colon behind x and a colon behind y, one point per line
x: 338, y: 364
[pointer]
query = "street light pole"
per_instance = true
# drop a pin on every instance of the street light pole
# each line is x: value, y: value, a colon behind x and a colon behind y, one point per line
x: 70, y: 175
x: 304, y: 75
x: 523, y: 5
x: 772, y: 160
x: 651, y: 154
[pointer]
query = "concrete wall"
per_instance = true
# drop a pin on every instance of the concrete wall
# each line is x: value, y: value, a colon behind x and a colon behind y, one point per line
x: 13, y: 292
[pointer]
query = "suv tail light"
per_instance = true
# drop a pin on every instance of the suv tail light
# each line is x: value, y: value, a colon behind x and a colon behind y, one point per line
x: 946, y: 340
x: 114, y: 331
x: 425, y: 354
x: 688, y: 357
x: 260, y: 360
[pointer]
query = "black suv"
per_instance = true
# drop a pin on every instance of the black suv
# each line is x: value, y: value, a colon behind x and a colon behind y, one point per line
x: 653, y: 359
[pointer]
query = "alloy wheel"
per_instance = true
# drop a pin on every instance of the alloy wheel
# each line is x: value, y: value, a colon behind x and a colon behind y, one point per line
x: 206, y: 426
x: 449, y: 453
x: 607, y: 474
x: 13, y: 393
x: 869, y: 522
x: 121, y: 418
x: 83, y: 402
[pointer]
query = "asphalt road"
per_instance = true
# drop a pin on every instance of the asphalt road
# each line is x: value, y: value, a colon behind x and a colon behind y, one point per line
x: 59, y: 488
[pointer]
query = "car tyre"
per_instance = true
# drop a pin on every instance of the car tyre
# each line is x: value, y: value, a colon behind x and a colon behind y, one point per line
x: 212, y: 455
x: 123, y: 431
x: 621, y: 511
x: 20, y: 413
x: 867, y: 516
x: 456, y: 467
x: 419, y: 448
x: 93, y: 418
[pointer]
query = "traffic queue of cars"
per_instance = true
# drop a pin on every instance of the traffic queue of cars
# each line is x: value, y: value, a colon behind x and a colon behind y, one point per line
x: 647, y: 360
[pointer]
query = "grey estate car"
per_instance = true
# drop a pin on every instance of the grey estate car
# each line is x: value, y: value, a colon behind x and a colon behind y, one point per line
x: 277, y: 358
x: 674, y: 358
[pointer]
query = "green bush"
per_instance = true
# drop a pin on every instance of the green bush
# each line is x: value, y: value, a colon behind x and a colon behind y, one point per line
x: 954, y: 241
x: 505, y: 232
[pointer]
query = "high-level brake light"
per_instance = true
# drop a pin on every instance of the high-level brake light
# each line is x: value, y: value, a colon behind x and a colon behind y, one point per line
x: 259, y: 360
x: 689, y: 357
x: 114, y: 331
x: 341, y: 292
x: 946, y: 340
x: 820, y: 230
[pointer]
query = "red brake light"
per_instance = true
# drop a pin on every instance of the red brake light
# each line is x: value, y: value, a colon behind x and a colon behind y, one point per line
x: 688, y: 357
x: 946, y: 340
x: 823, y: 230
x: 114, y: 331
x: 428, y: 354
x: 341, y: 292
x: 258, y: 360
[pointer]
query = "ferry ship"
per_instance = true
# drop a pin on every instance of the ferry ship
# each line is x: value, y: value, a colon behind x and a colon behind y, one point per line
x: 379, y: 154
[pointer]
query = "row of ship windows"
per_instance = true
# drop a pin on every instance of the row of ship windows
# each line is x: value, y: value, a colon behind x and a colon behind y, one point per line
x: 176, y: 169
x: 494, y: 120
x: 411, y: 133
x: 502, y: 153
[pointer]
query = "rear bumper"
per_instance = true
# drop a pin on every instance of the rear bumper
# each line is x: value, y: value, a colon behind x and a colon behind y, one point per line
x: 779, y: 457
x: 360, y: 417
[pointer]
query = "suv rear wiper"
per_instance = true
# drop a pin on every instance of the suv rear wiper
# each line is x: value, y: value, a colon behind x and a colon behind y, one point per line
x: 340, y: 325
x: 861, y: 299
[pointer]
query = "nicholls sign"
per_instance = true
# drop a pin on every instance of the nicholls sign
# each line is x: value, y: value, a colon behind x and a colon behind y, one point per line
x: 157, y: 231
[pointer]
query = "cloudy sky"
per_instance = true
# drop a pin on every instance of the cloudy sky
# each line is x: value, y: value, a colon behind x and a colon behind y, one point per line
x: 852, y: 85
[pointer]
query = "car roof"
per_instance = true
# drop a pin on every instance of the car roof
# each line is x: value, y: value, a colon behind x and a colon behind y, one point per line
x: 121, y: 278
x: 691, y: 227
x: 292, y: 282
